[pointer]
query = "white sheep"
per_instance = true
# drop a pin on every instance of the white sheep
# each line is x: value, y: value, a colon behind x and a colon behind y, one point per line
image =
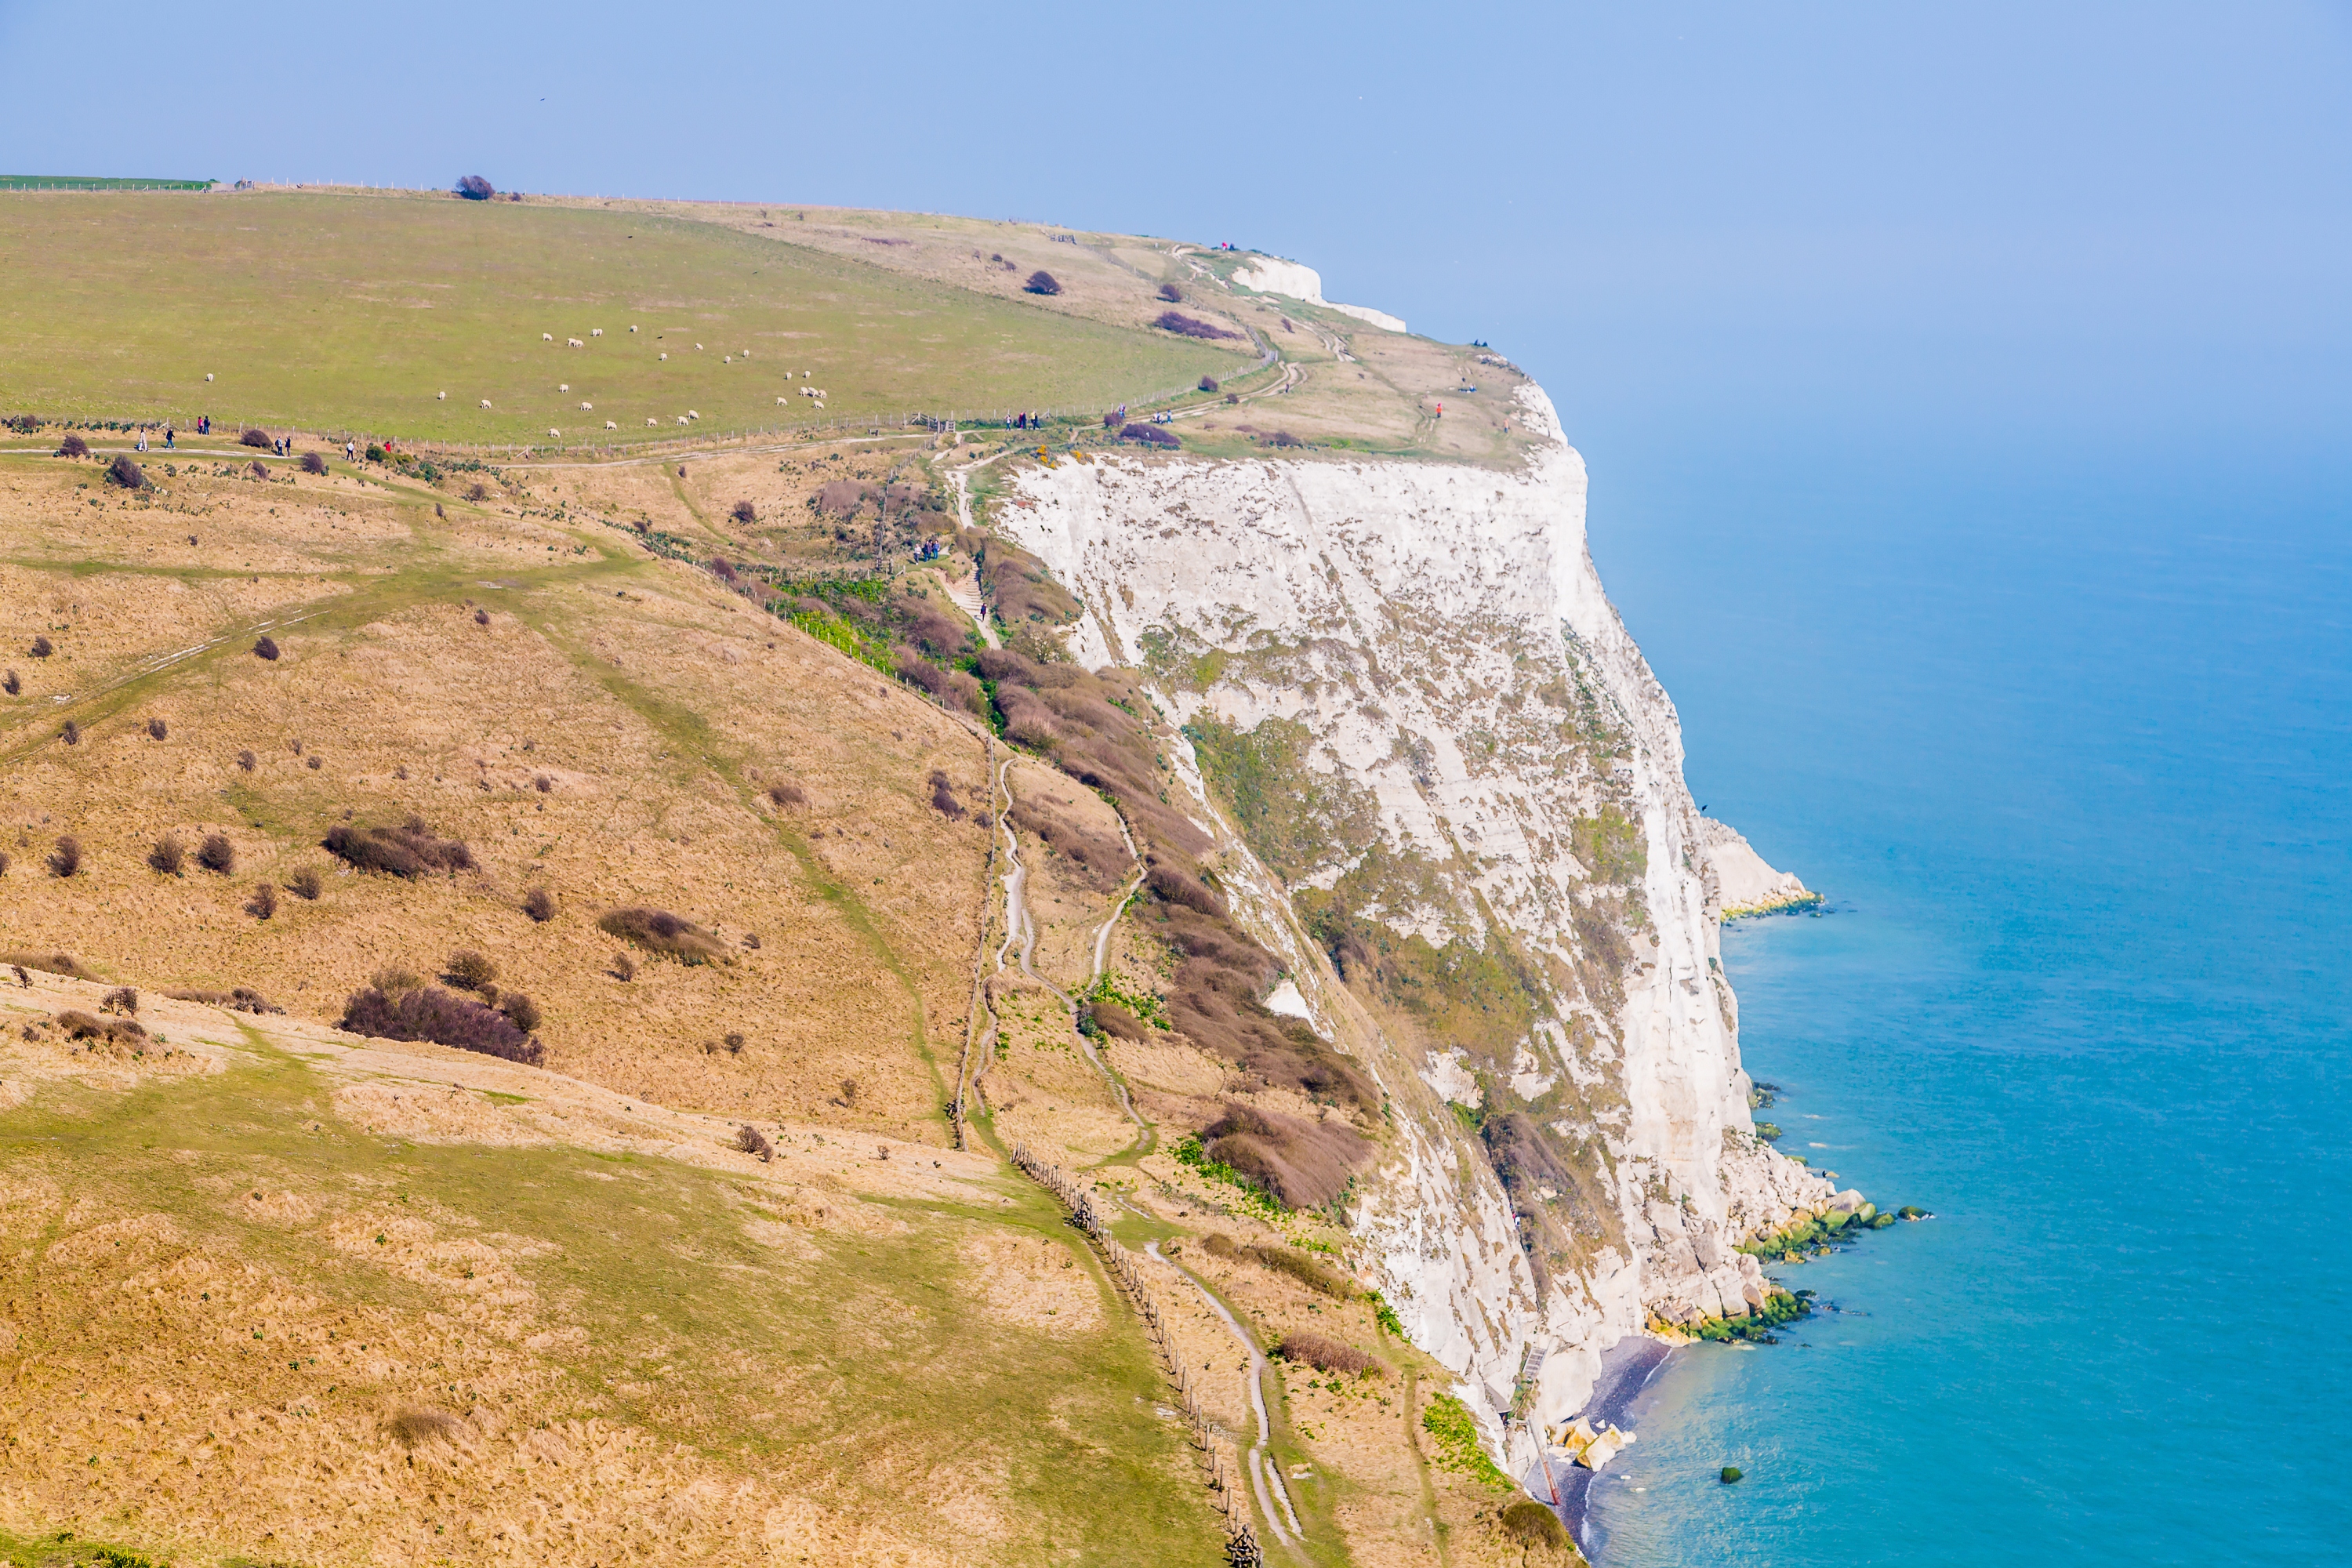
x: 633, y: 326
x: 780, y: 402
x: 208, y: 375
x: 547, y: 337
x: 693, y: 413
x: 726, y: 359
x: 587, y: 408
x: 665, y: 356
x: 485, y: 403
x: 698, y: 348
x: 610, y: 425
x: 651, y: 420
x: 440, y: 397
x: 595, y: 332
x: 575, y: 343
x: 551, y: 430
x: 681, y: 418
x: 562, y: 386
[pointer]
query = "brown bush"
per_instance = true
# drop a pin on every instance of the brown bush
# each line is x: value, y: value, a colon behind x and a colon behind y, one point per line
x: 477, y: 491
x: 623, y: 967
x: 11, y: 683
x: 1178, y: 889
x: 216, y: 854
x: 122, y: 999
x: 953, y: 688
x: 1284, y: 438
x: 943, y: 795
x: 429, y: 1013
x: 752, y: 1140
x: 1110, y: 1018
x: 408, y: 851
x: 1307, y: 1348
x: 80, y: 1025
x: 787, y: 796
x: 469, y: 971
x: 1172, y: 294
x: 481, y: 617
x: 255, y: 437
x: 744, y: 512
x: 842, y: 497
x: 475, y: 188
x: 247, y: 761
x: 520, y: 1011
x: 263, y: 905
x: 1041, y: 282
x: 539, y: 905
x: 126, y: 472
x: 1304, y: 1163
x: 1232, y: 398
x: 157, y: 730
x: 168, y: 856
x: 1149, y: 435
x: 412, y: 1427
x: 306, y: 884
x: 64, y: 964
x: 312, y: 463
x: 265, y: 647
x: 70, y: 733
x: 658, y: 931
x: 1208, y: 384
x: 73, y: 446
x: 242, y: 999
x: 1102, y: 858
x: 1187, y: 326
x: 64, y: 857
x: 723, y: 569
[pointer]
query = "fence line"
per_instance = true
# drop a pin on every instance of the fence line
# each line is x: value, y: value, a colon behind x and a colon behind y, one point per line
x: 1242, y: 1549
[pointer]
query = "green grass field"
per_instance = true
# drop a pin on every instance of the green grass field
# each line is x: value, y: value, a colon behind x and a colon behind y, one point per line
x: 338, y: 312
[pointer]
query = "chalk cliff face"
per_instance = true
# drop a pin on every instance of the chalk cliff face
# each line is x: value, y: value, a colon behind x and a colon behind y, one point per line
x: 1465, y: 783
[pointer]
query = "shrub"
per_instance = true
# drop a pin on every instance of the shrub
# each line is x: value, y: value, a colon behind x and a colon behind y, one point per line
x: 722, y: 568
x: 1233, y: 398
x: 1042, y: 282
x: 481, y: 617
x: 744, y: 511
x: 477, y: 491
x: 42, y: 647
x: 623, y: 967
x: 168, y: 856
x: 64, y: 857
x: 247, y: 761
x: 374, y: 453
x: 1326, y: 1354
x: 943, y: 795
x: 125, y: 472
x: 64, y: 964
x: 3, y: 864
x: 122, y: 999
x: 520, y: 1011
x: 787, y: 796
x: 539, y: 905
x: 216, y: 854
x: 407, y: 851
x: 415, y: 1426
x: 265, y: 647
x: 1531, y: 1523
x: 257, y: 468
x: 312, y: 463
x: 469, y: 971
x: 475, y: 188
x: 305, y: 884
x: 157, y: 730
x: 1730, y: 1474
x: 752, y: 1140
x: 257, y: 439
x: 1186, y: 326
x: 70, y: 735
x: 1172, y: 294
x: 263, y: 905
x: 658, y: 931
x: 73, y: 446
x: 1208, y: 384
x: 393, y: 978
x: 11, y: 684
x: 80, y: 1025
x: 1149, y: 435
x: 1304, y: 1163
x: 429, y: 1013
x: 243, y: 999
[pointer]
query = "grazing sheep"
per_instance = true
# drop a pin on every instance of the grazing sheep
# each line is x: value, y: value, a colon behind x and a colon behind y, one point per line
x: 208, y: 375
x: 780, y: 402
x: 573, y: 342
x: 681, y: 418
x: 698, y: 348
x: 595, y: 332
x: 610, y: 425
x: 485, y: 403
x: 440, y: 397
x: 547, y: 337
x: 693, y: 413
x: 555, y: 433
x: 633, y: 326
x: 651, y: 420
x: 665, y: 356
x: 562, y: 386
x: 726, y: 359
x: 587, y: 408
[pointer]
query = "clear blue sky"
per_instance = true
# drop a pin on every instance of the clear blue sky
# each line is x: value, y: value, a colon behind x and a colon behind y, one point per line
x: 1901, y: 222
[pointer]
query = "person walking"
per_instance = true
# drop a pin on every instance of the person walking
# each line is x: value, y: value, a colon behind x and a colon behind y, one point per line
x: 168, y: 433
x: 351, y: 451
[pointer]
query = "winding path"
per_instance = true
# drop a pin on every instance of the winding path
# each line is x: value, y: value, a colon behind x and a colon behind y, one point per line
x: 1261, y: 1471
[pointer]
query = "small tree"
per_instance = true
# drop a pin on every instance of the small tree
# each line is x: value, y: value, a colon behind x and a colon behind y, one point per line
x: 1172, y: 294
x: 745, y: 512
x: 126, y: 473
x: 168, y: 855
x: 64, y: 858
x: 471, y: 971
x: 312, y: 463
x: 1042, y: 282
x: 73, y: 446
x: 216, y: 854
x: 255, y: 437
x: 1208, y: 384
x: 475, y: 188
x: 305, y: 884
x: 539, y: 905
x: 41, y: 647
x: 520, y: 1011
x: 11, y: 683
x: 157, y: 730
x: 247, y: 761
x: 263, y: 905
x: 70, y: 735
x: 265, y: 647
x: 257, y: 468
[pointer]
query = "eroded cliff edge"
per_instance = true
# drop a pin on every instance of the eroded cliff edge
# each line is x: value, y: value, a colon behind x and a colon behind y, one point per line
x: 1450, y: 798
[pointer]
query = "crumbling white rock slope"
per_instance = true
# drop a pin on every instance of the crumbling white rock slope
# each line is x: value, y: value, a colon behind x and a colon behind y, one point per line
x: 1442, y: 634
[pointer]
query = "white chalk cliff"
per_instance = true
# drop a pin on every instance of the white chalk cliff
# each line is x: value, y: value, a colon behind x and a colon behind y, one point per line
x: 1441, y: 634
x: 1296, y: 280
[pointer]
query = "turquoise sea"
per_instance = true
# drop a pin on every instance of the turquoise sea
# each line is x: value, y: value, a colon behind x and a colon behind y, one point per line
x: 2067, y: 741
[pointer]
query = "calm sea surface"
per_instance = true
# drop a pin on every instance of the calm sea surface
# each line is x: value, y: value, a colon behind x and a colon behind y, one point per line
x: 2070, y: 750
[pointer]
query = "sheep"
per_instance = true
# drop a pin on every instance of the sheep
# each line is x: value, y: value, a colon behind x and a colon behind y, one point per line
x: 440, y: 397
x: 780, y: 402
x: 595, y: 332
x: 633, y: 326
x: 562, y: 386
x: 665, y: 356
x: 610, y: 425
x: 485, y: 403
x: 698, y: 348
x: 587, y: 408
x: 693, y: 413
x: 554, y: 432
x: 547, y: 337
x: 208, y: 375
x: 726, y: 359
x: 574, y: 344
x: 681, y: 418
x: 651, y: 420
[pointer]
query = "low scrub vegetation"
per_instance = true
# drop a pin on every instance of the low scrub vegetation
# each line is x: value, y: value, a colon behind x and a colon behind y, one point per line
x: 263, y: 904
x: 168, y: 856
x: 469, y: 971
x: 1149, y: 435
x: 312, y: 463
x: 125, y: 472
x: 1282, y: 1260
x: 237, y: 999
x: 752, y: 1140
x: 265, y: 647
x: 306, y: 884
x: 1042, y: 282
x: 1306, y: 1348
x: 64, y: 964
x: 407, y: 851
x: 64, y: 857
x: 255, y: 437
x: 443, y: 1018
x: 1182, y: 325
x: 539, y: 905
x: 216, y: 854
x: 41, y: 647
x: 660, y: 932
x: 73, y: 446
x: 79, y: 1026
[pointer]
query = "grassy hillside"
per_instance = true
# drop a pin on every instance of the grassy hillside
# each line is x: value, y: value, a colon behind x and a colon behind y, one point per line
x: 350, y: 312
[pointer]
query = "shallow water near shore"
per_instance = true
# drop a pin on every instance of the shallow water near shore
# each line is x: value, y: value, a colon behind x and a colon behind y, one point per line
x: 2071, y: 752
